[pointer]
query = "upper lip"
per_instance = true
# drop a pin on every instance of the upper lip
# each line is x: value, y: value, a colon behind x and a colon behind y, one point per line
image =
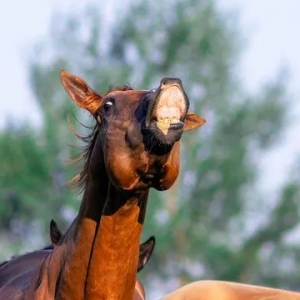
x: 168, y: 113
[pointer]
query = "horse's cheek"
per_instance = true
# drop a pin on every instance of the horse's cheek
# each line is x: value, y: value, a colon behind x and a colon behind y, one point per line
x: 168, y: 180
x: 171, y: 168
x: 123, y: 173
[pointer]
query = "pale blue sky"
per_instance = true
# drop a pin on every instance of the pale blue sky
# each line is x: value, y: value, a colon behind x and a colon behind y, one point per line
x: 271, y: 26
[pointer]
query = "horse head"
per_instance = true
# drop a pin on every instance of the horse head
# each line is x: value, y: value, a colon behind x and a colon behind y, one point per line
x: 137, y: 131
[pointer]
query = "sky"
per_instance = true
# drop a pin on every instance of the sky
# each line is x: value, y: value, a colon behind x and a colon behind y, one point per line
x: 271, y: 29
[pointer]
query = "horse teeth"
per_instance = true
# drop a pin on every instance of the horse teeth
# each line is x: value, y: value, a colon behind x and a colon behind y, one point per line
x: 168, y: 120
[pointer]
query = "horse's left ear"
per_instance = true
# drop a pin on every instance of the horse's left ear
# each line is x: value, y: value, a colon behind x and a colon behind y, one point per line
x: 80, y: 92
x: 192, y: 121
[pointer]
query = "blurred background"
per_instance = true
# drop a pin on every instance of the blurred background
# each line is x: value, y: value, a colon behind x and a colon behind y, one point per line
x: 234, y: 212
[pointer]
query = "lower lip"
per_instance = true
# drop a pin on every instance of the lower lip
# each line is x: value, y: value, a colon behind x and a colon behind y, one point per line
x: 176, y: 126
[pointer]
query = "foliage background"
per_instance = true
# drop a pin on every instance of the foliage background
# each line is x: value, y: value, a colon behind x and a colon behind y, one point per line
x: 216, y: 222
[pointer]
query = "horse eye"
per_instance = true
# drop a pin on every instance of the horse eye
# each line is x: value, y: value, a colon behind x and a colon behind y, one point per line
x: 107, y: 105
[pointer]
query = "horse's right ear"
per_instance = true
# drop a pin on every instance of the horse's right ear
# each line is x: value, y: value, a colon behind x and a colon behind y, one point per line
x: 80, y: 92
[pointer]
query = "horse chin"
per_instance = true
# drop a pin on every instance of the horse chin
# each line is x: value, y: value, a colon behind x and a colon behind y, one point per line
x: 162, y: 187
x: 169, y: 134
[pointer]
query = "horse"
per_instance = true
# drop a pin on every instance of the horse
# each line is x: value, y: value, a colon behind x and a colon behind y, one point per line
x: 134, y: 146
x: 225, y: 290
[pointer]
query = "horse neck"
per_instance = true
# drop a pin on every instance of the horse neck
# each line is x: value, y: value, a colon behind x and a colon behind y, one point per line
x: 79, y: 239
x: 114, y: 258
x: 103, y: 244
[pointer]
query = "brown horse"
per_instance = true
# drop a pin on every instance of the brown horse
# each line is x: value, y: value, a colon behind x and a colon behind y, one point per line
x: 216, y: 290
x: 134, y: 146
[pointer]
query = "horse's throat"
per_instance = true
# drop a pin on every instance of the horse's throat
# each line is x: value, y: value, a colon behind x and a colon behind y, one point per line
x: 114, y: 258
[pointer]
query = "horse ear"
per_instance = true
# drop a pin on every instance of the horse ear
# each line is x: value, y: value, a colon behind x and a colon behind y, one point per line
x: 55, y: 234
x: 80, y: 92
x: 193, y: 121
x: 146, y: 250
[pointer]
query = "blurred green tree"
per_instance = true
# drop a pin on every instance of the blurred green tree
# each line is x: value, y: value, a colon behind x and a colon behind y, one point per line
x: 215, y: 222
